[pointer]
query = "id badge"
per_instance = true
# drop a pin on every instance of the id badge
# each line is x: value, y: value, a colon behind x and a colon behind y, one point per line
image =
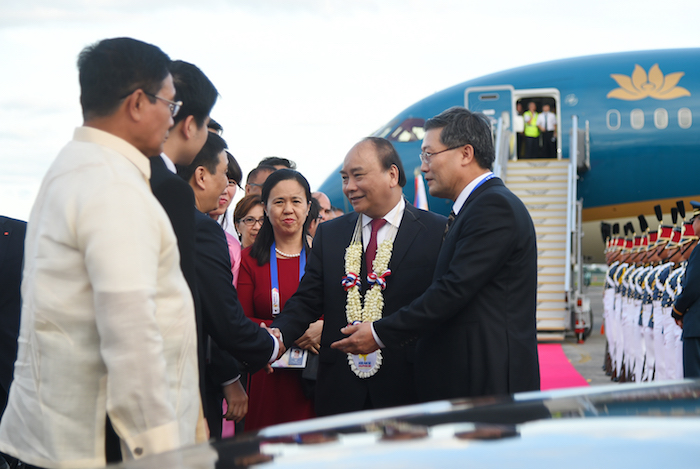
x: 275, y: 302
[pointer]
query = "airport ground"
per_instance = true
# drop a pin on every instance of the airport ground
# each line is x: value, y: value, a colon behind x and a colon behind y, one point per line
x: 588, y: 357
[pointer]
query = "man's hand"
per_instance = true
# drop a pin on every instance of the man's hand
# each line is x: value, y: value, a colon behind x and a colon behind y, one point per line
x: 679, y: 322
x: 311, y: 340
x: 236, y: 400
x: 361, y: 339
x: 276, y: 334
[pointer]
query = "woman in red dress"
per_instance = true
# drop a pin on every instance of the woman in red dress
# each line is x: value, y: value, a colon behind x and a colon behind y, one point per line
x: 269, y: 276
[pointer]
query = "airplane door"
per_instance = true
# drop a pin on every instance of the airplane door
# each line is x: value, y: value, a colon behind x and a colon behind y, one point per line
x: 493, y: 101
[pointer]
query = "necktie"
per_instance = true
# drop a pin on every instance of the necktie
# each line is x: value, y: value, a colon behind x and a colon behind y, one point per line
x: 371, y: 252
x: 450, y: 220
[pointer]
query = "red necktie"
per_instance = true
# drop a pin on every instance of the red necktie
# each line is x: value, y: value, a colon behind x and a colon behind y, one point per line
x: 371, y: 252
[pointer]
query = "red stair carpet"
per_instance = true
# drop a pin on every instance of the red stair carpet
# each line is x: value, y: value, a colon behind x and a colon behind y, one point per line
x: 556, y: 371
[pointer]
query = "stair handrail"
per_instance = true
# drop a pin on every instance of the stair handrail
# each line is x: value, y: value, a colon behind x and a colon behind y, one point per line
x: 571, y: 199
x: 501, y: 161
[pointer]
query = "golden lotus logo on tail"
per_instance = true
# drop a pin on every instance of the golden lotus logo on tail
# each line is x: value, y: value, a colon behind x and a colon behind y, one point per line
x: 653, y: 85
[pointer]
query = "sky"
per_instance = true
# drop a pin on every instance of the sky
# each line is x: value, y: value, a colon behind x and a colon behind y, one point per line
x: 302, y: 79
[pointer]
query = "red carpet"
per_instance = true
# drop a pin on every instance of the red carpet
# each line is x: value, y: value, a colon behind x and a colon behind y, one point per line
x: 556, y: 371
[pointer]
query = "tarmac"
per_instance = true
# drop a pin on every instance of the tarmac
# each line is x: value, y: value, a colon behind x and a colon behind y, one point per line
x: 588, y: 358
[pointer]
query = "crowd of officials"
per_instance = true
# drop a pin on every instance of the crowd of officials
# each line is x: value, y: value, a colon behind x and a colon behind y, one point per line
x: 649, y: 288
x: 150, y: 317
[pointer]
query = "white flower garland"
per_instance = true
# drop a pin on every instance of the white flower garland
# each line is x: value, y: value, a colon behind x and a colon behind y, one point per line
x: 365, y: 366
x: 374, y: 299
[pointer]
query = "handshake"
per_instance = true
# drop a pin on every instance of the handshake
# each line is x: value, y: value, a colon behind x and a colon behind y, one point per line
x: 276, y: 335
x: 310, y: 340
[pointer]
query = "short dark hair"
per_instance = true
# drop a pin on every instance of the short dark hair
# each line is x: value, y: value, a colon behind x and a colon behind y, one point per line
x: 387, y: 156
x: 197, y: 93
x: 266, y: 236
x: 234, y: 169
x: 215, y: 126
x: 255, y: 171
x: 112, y: 69
x: 208, y: 157
x: 277, y: 161
x: 463, y: 127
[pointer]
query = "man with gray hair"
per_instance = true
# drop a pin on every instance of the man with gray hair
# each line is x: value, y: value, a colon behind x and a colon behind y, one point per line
x: 107, y: 336
x: 475, y: 325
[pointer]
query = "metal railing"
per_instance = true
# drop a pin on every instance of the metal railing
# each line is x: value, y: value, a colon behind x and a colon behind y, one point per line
x: 571, y: 199
x: 502, y: 149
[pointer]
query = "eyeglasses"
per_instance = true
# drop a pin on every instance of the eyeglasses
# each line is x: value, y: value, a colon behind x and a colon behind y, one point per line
x: 173, y: 105
x: 425, y: 156
x: 250, y: 221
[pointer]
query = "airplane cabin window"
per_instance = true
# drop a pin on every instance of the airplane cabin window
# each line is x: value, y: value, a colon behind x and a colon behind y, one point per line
x: 612, y: 119
x: 685, y: 118
x: 384, y: 131
x: 410, y: 130
x: 661, y: 118
x: 488, y: 97
x: 637, y: 119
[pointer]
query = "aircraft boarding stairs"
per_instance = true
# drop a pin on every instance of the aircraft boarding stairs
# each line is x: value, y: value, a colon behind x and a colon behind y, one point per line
x: 547, y: 187
x: 542, y: 186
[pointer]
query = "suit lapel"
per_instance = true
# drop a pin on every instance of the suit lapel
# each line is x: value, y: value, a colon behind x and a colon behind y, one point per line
x: 408, y: 230
x: 474, y: 195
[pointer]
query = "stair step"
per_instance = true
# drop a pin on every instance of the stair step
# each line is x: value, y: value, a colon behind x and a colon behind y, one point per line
x: 550, y: 336
x: 549, y: 220
x: 543, y: 199
x: 544, y: 192
x: 539, y: 163
x: 551, y: 230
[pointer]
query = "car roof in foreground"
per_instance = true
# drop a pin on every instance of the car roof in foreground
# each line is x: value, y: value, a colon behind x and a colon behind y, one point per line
x: 630, y: 425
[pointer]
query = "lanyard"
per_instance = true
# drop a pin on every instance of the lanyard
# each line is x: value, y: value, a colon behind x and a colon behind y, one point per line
x: 274, y: 276
x: 490, y: 176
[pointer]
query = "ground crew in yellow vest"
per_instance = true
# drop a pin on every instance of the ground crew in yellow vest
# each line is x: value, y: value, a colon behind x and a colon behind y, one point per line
x: 532, y: 132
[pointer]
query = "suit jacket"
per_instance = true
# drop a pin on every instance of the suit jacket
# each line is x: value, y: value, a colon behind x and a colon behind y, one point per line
x: 320, y: 292
x: 687, y: 302
x: 221, y: 313
x: 11, y: 254
x: 177, y: 198
x: 476, y: 325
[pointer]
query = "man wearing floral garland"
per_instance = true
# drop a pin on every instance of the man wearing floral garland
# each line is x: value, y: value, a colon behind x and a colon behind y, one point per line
x: 363, y: 266
x: 475, y: 326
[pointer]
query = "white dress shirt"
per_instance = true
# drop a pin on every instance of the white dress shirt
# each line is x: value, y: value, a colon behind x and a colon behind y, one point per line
x: 548, y: 120
x: 467, y: 191
x: 169, y: 163
x: 393, y: 218
x: 108, y: 322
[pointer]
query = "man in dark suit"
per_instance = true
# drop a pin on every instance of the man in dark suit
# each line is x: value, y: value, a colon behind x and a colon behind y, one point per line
x: 222, y: 316
x: 686, y: 308
x: 11, y: 253
x: 186, y: 138
x: 373, y: 178
x: 475, y: 325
